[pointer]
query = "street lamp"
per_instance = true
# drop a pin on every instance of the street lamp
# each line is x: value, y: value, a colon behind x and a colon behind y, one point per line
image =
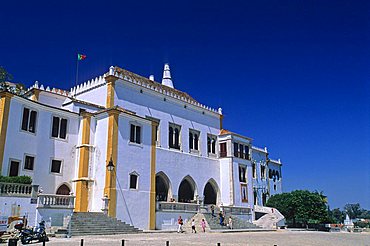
x: 110, y: 165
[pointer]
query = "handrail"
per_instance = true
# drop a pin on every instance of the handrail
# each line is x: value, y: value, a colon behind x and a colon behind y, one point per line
x: 55, y: 201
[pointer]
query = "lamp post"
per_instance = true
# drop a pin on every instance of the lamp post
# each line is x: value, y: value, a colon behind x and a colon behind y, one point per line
x: 110, y: 168
x: 110, y: 165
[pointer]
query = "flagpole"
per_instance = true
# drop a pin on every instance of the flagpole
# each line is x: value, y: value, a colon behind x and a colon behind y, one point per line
x: 77, y: 72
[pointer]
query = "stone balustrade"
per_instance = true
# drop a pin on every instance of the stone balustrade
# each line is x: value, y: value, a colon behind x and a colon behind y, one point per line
x: 15, y: 189
x: 55, y: 201
x: 236, y: 210
x: 177, y: 206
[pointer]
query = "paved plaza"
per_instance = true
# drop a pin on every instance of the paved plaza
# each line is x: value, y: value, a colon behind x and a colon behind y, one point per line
x: 281, y: 238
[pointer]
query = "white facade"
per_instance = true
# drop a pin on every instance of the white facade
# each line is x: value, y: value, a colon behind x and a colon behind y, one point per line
x: 195, y: 159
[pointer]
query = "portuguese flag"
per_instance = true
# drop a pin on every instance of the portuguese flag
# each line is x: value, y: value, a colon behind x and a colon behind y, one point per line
x: 81, y: 57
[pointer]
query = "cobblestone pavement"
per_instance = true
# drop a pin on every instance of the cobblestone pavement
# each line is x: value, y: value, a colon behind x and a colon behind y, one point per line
x: 280, y: 238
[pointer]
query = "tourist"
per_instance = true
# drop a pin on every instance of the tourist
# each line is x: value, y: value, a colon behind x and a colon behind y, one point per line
x: 193, y: 226
x: 213, y: 211
x: 230, y: 223
x: 221, y: 218
x: 180, y: 222
x: 203, y: 225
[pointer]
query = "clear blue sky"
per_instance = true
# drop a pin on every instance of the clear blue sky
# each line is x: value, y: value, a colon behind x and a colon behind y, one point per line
x: 293, y: 75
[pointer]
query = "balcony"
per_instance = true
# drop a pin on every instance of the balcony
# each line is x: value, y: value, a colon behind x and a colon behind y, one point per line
x: 177, y: 207
x: 15, y: 189
x: 55, y: 201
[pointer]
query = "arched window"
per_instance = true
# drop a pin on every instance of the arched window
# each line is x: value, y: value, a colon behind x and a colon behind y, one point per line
x: 277, y: 175
x: 191, y: 145
x: 177, y: 138
x: 170, y: 137
x: 270, y: 174
x: 196, y: 141
x: 63, y: 190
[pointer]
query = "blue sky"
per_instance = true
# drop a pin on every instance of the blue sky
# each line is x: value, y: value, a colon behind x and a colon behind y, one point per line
x: 293, y: 75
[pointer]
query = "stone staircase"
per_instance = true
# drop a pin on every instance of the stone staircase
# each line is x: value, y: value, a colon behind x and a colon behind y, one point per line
x: 94, y: 223
x: 214, y: 223
x: 272, y: 218
x: 197, y: 219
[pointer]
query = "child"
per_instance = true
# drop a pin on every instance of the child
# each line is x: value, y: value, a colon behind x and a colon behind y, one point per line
x: 193, y: 226
x: 203, y: 225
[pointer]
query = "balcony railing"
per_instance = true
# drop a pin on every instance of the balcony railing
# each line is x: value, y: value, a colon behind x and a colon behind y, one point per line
x: 177, y: 206
x: 55, y: 201
x: 236, y: 210
x: 14, y: 189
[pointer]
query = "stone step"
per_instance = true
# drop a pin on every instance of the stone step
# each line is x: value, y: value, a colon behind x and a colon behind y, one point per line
x: 94, y: 223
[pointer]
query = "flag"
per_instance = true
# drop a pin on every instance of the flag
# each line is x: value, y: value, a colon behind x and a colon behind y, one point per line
x: 81, y: 57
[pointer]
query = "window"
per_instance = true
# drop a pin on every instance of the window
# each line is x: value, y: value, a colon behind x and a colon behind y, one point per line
x: 236, y: 150
x: 254, y: 170
x: 29, y: 120
x: 193, y: 140
x: 244, y: 192
x: 14, y: 168
x: 246, y: 152
x: 242, y: 174
x: 28, y: 162
x: 263, y: 172
x: 211, y: 144
x: 59, y: 129
x: 241, y: 151
x: 56, y: 166
x: 223, y: 151
x: 174, y: 136
x: 133, y: 181
x: 135, y: 134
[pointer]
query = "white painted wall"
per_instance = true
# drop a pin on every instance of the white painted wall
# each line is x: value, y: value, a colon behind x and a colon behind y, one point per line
x: 41, y: 145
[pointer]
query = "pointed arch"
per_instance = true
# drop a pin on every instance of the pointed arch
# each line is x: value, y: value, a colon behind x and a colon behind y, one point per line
x: 63, y: 189
x: 211, y: 192
x: 188, y: 190
x: 163, y: 187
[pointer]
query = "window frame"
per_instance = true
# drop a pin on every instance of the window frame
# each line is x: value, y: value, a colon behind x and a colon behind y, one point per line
x: 174, y: 128
x: 136, y: 125
x: 59, y: 127
x: 194, y: 133
x: 134, y: 173
x: 29, y: 120
x: 221, y: 153
x: 61, y: 166
x: 24, y: 162
x: 243, y: 180
x: 212, y: 145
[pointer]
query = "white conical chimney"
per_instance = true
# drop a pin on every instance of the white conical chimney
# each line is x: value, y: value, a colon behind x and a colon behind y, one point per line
x: 166, y: 80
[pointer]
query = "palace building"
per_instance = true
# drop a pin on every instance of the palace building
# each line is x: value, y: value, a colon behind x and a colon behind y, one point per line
x: 136, y: 149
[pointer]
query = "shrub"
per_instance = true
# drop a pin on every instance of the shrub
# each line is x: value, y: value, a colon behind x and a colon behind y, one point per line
x: 16, y: 179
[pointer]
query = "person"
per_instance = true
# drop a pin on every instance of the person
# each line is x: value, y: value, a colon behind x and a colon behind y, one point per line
x: 213, y: 211
x: 221, y: 218
x: 230, y: 223
x: 203, y: 225
x: 180, y: 222
x: 193, y: 226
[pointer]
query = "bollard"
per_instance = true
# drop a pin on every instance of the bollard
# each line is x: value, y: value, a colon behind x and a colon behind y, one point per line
x: 82, y: 242
x: 123, y: 242
x: 218, y: 244
x: 43, y: 242
x: 167, y: 243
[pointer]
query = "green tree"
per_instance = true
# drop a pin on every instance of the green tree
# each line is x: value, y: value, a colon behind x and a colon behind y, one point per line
x: 338, y: 215
x: 353, y: 210
x: 301, y: 207
x: 4, y: 75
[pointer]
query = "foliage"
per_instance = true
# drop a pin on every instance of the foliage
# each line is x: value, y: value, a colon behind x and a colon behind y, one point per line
x: 4, y: 75
x: 337, y: 215
x: 353, y: 210
x: 301, y: 207
x: 16, y: 179
x: 362, y: 224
